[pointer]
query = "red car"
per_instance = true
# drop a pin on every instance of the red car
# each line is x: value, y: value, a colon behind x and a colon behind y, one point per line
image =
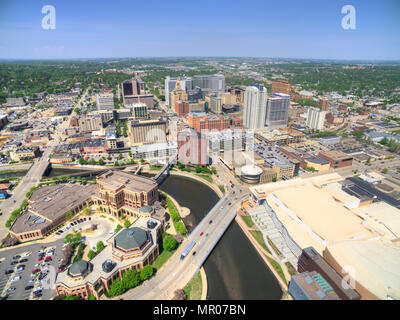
x: 48, y: 258
x: 201, y: 234
x: 40, y: 259
x: 35, y: 271
x: 230, y: 181
x: 61, y: 269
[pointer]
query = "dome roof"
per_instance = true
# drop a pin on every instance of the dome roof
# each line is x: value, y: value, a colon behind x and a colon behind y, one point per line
x: 130, y: 238
x: 146, y: 209
x: 251, y: 170
x: 78, y: 268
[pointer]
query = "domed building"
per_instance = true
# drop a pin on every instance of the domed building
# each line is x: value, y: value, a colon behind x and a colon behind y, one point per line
x: 79, y: 270
x: 131, y: 243
x: 250, y: 174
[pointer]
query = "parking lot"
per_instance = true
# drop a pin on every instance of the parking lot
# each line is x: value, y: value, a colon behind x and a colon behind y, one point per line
x: 15, y: 290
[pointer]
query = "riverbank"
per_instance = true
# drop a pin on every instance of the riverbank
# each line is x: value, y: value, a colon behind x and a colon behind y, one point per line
x: 280, y: 272
x: 213, y: 186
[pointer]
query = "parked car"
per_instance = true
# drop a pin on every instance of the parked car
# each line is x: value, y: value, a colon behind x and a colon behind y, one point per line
x: 9, y: 271
x: 16, y: 279
x: 61, y: 269
x: 35, y: 270
x: 16, y: 257
x: 23, y: 260
x: 201, y: 234
x: 14, y: 263
x: 40, y: 259
x: 29, y: 287
x: 210, y: 222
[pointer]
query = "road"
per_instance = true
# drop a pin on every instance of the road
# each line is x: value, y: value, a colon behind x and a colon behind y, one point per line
x: 32, y: 177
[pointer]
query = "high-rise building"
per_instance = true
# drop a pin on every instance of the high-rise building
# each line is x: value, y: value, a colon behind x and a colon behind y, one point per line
x: 133, y: 92
x: 215, y: 104
x: 280, y: 86
x: 323, y: 103
x: 185, y: 84
x: 277, y: 110
x: 315, y: 118
x: 177, y: 94
x: 254, y: 107
x: 130, y: 88
x: 147, y: 131
x: 181, y: 107
x: 105, y: 101
x: 214, y: 83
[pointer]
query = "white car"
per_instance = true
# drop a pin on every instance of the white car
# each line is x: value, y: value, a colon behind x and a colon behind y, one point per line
x: 16, y: 279
x: 25, y: 255
x: 32, y: 280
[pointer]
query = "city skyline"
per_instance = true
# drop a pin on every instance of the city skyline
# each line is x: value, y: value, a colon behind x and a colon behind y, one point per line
x: 310, y: 30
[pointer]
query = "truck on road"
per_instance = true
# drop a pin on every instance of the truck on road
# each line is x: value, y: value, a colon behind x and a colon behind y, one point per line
x: 187, y: 249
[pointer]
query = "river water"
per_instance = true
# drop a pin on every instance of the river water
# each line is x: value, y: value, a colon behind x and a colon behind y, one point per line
x: 234, y: 268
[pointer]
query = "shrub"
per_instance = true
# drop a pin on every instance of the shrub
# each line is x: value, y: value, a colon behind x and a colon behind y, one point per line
x: 169, y: 243
x: 146, y: 272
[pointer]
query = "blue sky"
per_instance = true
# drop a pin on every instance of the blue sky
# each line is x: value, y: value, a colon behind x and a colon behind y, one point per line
x: 257, y: 28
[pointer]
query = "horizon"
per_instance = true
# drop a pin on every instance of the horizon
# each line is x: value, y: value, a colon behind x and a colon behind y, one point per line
x: 310, y: 30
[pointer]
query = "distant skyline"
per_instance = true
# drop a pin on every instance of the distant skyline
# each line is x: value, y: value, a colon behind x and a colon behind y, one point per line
x: 308, y: 29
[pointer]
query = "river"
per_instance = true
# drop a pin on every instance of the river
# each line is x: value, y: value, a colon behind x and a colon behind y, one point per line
x: 234, y: 268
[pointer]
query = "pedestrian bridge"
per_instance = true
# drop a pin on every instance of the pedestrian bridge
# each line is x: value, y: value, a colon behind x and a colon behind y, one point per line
x: 166, y: 167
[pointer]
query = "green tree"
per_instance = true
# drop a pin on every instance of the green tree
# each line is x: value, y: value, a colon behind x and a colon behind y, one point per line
x: 180, y: 228
x: 146, y: 272
x: 70, y: 297
x: 169, y: 243
x: 92, y: 297
x: 99, y: 246
x: 119, y: 227
x: 91, y: 254
x: 82, y: 161
x: 384, y: 170
x: 101, y: 162
x: 127, y: 224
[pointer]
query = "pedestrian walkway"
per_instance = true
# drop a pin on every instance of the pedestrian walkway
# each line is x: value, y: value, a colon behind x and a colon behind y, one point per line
x: 264, y: 220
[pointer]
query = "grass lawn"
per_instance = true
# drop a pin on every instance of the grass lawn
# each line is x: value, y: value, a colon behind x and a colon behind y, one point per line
x: 292, y: 271
x: 194, y: 288
x: 259, y: 238
x: 248, y: 221
x: 205, y: 177
x: 277, y: 267
x: 163, y: 257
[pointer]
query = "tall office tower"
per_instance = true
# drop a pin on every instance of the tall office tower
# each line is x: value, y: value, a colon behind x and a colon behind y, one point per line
x: 315, y: 118
x: 177, y: 94
x: 323, y: 103
x: 147, y: 131
x: 185, y: 83
x: 105, y: 101
x: 255, y: 100
x: 277, y: 110
x: 214, y: 83
x: 215, y: 104
x: 181, y: 108
x: 130, y: 88
x: 280, y: 86
x: 139, y: 111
